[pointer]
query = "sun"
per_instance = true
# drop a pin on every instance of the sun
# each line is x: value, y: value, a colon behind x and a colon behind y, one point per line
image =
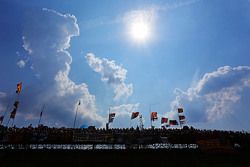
x: 139, y: 24
x: 140, y: 31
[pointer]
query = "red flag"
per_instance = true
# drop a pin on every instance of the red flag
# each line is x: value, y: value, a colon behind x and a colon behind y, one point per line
x: 180, y: 110
x: 134, y: 115
x: 154, y: 116
x: 164, y: 120
x: 13, y: 113
x: 173, y: 122
x: 111, y: 117
x: 19, y: 88
x: 181, y: 117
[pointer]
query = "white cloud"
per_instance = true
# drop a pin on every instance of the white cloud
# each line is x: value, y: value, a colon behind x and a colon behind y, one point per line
x: 21, y: 63
x: 218, y: 94
x: 2, y: 94
x: 111, y: 73
x: 125, y: 109
x: 46, y: 47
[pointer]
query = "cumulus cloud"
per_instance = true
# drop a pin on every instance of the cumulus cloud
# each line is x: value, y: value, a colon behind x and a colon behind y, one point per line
x: 218, y: 94
x: 111, y: 73
x: 46, y: 38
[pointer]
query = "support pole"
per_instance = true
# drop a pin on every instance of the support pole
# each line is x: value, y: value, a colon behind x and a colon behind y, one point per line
x: 75, y: 117
x: 13, y: 122
x: 151, y: 123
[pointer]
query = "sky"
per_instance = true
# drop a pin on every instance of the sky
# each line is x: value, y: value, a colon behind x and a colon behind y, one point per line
x: 123, y: 57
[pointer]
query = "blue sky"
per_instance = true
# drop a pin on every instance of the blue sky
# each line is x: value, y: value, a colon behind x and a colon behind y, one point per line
x: 196, y: 57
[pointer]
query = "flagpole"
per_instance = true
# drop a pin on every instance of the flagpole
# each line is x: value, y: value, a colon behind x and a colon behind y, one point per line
x: 130, y: 123
x: 180, y: 120
x: 13, y: 122
x: 141, y: 122
x: 75, y: 116
x: 108, y: 117
x: 150, y: 116
x: 17, y: 97
x: 41, y: 114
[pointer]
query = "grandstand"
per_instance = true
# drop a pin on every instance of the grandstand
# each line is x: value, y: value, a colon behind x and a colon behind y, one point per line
x: 44, y: 146
x: 44, y: 137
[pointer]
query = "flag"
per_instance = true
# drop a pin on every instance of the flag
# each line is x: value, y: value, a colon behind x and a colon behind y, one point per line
x: 41, y: 114
x: 180, y: 110
x: 181, y: 117
x: 164, y: 120
x: 154, y: 116
x: 13, y: 113
x: 1, y: 118
x: 111, y: 117
x: 16, y: 104
x: 19, y: 88
x: 79, y: 103
x: 173, y: 122
x: 134, y: 115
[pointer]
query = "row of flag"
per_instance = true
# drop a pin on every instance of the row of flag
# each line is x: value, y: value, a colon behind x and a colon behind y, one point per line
x: 112, y: 116
x: 153, y: 115
x: 168, y: 122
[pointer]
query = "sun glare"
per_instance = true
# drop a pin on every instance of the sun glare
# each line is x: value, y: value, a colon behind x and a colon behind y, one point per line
x: 140, y: 31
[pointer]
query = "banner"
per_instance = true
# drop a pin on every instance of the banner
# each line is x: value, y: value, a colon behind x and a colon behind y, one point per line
x: 134, y: 115
x: 16, y: 104
x: 13, y: 113
x: 19, y: 88
x: 111, y: 117
x: 154, y: 116
x: 180, y: 110
x: 164, y: 120
x: 181, y: 117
